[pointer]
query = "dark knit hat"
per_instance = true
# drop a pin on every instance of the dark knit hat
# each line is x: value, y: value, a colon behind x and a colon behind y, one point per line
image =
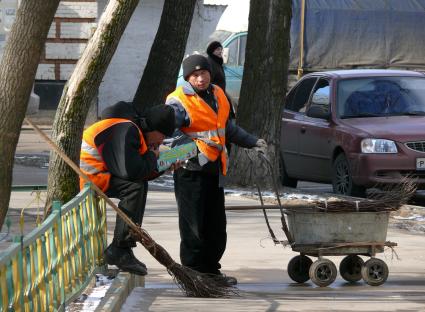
x: 212, y: 46
x: 194, y: 62
x: 121, y: 109
x: 161, y: 118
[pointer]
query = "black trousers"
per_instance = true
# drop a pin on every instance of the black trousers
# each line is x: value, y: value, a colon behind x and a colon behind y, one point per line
x: 132, y: 196
x: 202, y: 220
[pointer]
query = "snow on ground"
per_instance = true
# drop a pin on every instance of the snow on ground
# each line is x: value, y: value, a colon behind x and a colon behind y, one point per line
x: 414, y: 217
x: 166, y: 181
x: 92, y: 296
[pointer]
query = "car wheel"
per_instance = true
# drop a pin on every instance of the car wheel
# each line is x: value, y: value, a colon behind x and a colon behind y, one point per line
x: 284, y: 178
x: 342, y: 182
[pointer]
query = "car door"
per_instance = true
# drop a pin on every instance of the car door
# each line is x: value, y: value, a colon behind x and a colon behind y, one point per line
x: 292, y: 120
x: 315, y: 144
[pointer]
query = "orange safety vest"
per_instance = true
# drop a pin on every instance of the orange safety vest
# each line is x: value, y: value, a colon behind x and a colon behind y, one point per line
x: 91, y: 162
x: 207, y: 128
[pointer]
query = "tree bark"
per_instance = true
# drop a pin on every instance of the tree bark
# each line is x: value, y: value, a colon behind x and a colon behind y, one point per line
x: 161, y: 71
x: 17, y: 72
x: 264, y: 85
x: 79, y: 92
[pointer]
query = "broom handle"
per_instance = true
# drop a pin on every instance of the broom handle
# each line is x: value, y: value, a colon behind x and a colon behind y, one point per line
x: 84, y: 176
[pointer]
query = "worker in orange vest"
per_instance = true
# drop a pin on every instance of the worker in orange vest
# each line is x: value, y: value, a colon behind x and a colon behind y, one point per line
x: 202, y: 116
x: 119, y: 154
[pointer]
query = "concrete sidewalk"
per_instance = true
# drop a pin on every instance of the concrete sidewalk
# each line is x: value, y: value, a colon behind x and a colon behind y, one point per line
x: 260, y: 267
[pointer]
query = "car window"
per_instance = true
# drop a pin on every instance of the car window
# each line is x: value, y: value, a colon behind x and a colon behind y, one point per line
x: 321, y: 96
x: 297, y: 99
x: 381, y: 96
x: 242, y: 46
x: 232, y: 59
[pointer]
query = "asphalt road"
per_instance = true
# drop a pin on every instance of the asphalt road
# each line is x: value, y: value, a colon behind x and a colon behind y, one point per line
x: 29, y: 175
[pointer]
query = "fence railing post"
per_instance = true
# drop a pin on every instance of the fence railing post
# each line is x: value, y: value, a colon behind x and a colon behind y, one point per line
x: 20, y: 271
x: 57, y: 207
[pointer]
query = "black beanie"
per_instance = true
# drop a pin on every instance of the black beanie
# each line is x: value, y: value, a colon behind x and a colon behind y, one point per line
x: 195, y: 62
x: 161, y: 118
x: 121, y: 109
x: 212, y: 46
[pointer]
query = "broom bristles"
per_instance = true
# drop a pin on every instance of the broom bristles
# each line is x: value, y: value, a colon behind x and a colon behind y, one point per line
x: 191, y: 282
x: 196, y: 284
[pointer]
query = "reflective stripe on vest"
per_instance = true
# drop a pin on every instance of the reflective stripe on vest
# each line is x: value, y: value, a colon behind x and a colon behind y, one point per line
x: 207, y: 128
x: 91, y: 162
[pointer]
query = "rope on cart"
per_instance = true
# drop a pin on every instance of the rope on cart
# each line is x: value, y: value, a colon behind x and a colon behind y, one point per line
x: 273, y: 236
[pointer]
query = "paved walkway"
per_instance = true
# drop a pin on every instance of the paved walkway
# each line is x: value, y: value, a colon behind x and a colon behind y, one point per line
x: 261, y: 270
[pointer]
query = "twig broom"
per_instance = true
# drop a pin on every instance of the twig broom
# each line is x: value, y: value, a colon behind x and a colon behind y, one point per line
x: 193, y: 283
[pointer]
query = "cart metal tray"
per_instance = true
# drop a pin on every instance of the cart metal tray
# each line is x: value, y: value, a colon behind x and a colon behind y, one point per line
x: 338, y: 233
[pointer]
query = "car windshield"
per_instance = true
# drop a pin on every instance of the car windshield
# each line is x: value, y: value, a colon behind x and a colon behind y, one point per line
x: 381, y: 96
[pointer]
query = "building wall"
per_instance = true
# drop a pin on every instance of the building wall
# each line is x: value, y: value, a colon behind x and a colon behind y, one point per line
x: 126, y: 68
x: 73, y: 24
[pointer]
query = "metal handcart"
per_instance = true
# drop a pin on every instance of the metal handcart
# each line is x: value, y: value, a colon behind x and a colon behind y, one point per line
x: 321, y: 233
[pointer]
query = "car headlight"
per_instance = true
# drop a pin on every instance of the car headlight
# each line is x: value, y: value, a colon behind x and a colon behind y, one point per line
x: 369, y: 146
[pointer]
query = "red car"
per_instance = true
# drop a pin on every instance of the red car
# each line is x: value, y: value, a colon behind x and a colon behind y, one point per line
x: 354, y: 129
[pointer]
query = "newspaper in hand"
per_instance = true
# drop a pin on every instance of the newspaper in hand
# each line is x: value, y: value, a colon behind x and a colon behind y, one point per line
x: 169, y: 156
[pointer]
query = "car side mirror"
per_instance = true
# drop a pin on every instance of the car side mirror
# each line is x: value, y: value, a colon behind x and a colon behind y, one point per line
x: 318, y: 111
x: 225, y: 55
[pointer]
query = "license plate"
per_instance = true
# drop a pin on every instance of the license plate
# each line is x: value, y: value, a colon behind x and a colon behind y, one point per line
x: 420, y: 163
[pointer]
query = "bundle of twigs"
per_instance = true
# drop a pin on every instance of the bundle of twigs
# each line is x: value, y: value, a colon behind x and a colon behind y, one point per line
x: 193, y: 283
x: 387, y: 198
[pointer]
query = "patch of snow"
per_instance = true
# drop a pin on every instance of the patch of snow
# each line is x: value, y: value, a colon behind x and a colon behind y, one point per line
x: 272, y: 195
x: 166, y: 181
x: 414, y: 217
x: 89, y: 301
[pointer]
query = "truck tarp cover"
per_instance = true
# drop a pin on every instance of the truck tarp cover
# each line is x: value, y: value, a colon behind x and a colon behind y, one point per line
x: 360, y: 33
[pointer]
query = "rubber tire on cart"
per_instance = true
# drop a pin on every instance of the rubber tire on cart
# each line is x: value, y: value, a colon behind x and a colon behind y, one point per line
x: 374, y: 272
x: 285, y: 180
x: 323, y: 272
x: 342, y: 181
x: 298, y: 268
x: 350, y: 268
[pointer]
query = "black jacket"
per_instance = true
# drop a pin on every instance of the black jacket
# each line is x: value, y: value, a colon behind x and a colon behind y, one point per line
x: 119, y: 147
x: 218, y: 77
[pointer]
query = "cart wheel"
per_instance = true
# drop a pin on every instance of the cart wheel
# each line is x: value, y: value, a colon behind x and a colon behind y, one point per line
x: 375, y: 272
x: 350, y: 268
x: 298, y: 268
x: 323, y: 272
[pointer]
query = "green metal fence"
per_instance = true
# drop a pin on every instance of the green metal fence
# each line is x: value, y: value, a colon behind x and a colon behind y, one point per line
x: 47, y: 268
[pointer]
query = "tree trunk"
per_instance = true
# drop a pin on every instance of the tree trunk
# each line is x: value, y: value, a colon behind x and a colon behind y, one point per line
x: 79, y: 92
x: 161, y: 71
x: 17, y: 72
x: 264, y: 85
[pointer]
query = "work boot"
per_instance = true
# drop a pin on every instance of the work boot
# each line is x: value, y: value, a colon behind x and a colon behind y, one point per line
x: 225, y: 279
x: 130, y: 251
x: 125, y: 260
